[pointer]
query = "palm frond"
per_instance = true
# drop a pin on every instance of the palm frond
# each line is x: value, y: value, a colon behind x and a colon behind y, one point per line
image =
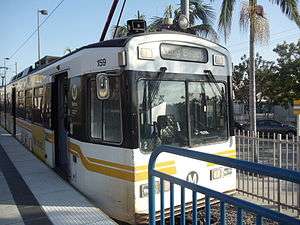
x: 261, y: 23
x: 156, y: 23
x: 225, y: 19
x: 261, y: 30
x: 289, y: 8
x: 121, y: 31
x: 245, y: 16
x: 201, y: 11
x: 205, y: 31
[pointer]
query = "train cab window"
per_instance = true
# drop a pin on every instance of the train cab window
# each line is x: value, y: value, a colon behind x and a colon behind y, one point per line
x: 208, y: 112
x: 28, y: 104
x: 112, y: 112
x: 105, y: 119
x: 37, y: 105
x: 162, y: 110
x: 96, y: 113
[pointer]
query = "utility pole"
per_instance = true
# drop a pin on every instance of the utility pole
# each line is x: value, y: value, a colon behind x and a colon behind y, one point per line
x: 16, y: 68
x: 5, y: 97
x: 184, y: 18
x: 185, y: 8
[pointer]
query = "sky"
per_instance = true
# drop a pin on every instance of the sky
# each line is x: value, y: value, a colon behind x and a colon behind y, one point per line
x: 76, y: 23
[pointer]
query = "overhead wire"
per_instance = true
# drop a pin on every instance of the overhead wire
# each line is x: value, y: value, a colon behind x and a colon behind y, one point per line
x: 33, y: 33
x: 120, y: 15
x: 271, y: 41
x: 272, y: 35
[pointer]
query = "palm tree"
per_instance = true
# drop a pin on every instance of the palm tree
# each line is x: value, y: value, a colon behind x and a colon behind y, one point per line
x: 199, y: 11
x: 67, y: 50
x: 253, y: 17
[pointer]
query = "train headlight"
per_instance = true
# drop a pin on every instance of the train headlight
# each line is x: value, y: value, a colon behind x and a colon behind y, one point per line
x: 215, y: 174
x: 227, y: 171
x: 144, y: 189
x: 219, y: 60
x: 145, y: 53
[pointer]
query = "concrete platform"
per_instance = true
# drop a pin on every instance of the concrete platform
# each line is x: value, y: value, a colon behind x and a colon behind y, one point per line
x: 32, y: 193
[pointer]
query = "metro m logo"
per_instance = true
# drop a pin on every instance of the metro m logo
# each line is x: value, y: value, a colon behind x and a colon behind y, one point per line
x: 192, y: 177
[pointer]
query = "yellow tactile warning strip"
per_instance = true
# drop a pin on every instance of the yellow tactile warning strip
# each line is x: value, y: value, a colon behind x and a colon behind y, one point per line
x: 228, y: 153
x: 124, y: 172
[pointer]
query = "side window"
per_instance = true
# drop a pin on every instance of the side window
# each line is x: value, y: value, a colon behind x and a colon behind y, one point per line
x: 105, y: 119
x: 28, y: 104
x: 37, y: 105
x: 46, y: 106
x: 20, y: 104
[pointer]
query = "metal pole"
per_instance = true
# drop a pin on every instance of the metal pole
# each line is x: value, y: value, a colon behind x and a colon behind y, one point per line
x: 298, y: 169
x: 185, y: 8
x: 298, y: 125
x: 108, y: 20
x: 38, y: 31
x: 4, y: 92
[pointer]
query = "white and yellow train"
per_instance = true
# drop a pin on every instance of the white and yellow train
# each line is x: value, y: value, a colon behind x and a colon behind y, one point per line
x: 96, y: 115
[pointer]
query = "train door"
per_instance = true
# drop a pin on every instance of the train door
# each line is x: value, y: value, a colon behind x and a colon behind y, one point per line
x: 60, y: 95
x: 13, y: 110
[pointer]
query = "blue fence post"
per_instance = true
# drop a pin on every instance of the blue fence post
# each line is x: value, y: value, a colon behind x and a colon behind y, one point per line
x: 162, y: 203
x: 195, y: 208
x: 172, y: 215
x: 151, y: 190
x: 182, y: 217
x: 207, y: 210
x: 239, y: 216
x: 222, y: 213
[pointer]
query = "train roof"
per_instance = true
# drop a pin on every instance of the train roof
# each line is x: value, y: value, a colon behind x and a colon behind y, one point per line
x: 118, y: 42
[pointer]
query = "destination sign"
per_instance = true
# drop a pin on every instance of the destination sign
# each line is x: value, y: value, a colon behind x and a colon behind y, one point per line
x: 183, y: 53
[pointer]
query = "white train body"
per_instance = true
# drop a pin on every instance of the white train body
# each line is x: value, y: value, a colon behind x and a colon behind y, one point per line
x: 104, y: 153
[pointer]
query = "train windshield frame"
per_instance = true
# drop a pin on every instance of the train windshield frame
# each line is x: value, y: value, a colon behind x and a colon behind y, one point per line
x: 183, y: 113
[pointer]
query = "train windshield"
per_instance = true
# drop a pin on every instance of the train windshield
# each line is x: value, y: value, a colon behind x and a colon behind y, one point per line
x: 181, y: 113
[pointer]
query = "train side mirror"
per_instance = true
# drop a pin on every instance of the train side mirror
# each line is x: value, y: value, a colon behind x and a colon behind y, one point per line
x: 102, y: 84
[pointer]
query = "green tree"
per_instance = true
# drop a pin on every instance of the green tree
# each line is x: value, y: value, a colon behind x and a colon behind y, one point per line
x: 265, y: 71
x: 277, y: 83
x: 287, y: 78
x: 253, y: 16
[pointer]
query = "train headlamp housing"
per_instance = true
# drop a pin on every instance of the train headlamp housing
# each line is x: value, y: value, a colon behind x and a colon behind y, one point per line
x: 102, y: 85
x: 220, y: 172
x: 183, y: 22
x: 145, y: 53
x: 219, y: 60
x: 144, y: 189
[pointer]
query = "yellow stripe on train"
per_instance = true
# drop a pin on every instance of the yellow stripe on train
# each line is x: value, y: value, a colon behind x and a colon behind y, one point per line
x: 228, y: 153
x: 120, y: 171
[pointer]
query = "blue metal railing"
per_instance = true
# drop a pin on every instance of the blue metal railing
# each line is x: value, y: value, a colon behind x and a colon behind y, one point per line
x: 224, y: 199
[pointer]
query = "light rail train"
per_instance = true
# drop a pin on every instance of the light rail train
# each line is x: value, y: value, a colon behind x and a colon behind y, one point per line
x: 96, y: 114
